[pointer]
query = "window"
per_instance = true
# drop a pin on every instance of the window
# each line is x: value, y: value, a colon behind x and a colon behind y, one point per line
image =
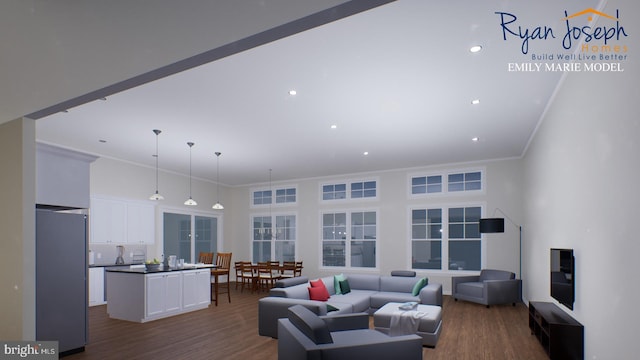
x: 178, y: 239
x: 465, y: 181
x: 367, y: 189
x: 262, y: 197
x: 360, y: 250
x: 455, y: 182
x: 282, y: 196
x: 426, y: 238
x: 363, y: 189
x: 274, y: 243
x: 464, y: 238
x: 334, y: 191
x: 285, y: 196
x: 451, y: 233
x: 426, y: 184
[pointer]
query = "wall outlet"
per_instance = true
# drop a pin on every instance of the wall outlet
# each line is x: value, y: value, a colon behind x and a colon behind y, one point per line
x: 99, y: 255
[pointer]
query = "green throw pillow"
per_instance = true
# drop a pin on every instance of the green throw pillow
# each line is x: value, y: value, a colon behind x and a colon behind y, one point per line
x: 331, y: 308
x: 344, y: 286
x: 336, y: 282
x: 418, y: 286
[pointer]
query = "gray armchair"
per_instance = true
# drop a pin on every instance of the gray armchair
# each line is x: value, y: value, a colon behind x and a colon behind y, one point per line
x: 305, y: 335
x: 491, y: 287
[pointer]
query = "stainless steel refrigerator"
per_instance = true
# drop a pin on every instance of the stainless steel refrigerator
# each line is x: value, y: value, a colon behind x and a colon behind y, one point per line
x: 61, y: 279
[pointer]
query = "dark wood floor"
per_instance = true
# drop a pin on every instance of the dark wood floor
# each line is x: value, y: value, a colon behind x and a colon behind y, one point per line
x: 230, y: 331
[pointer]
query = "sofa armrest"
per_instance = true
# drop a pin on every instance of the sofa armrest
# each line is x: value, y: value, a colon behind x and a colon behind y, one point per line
x: 431, y: 294
x: 455, y: 280
x: 503, y: 291
x: 270, y: 309
x: 344, y: 322
x: 405, y: 347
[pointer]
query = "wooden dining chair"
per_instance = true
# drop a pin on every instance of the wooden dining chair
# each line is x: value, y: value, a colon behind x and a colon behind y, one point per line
x: 288, y: 269
x: 276, y: 269
x: 249, y: 276
x: 223, y: 263
x: 205, y: 258
x: 298, y: 270
x: 266, y: 279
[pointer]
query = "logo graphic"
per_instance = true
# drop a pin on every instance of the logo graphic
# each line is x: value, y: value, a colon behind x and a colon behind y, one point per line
x: 543, y: 32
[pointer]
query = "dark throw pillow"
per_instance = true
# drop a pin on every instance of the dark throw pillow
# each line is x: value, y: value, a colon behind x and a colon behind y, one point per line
x: 344, y: 286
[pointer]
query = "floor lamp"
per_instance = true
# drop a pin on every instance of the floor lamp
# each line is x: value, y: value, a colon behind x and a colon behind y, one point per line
x: 496, y: 225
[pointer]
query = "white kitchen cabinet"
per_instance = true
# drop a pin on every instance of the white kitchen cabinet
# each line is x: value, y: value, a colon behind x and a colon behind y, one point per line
x: 108, y: 220
x: 196, y: 285
x: 96, y: 286
x: 141, y: 223
x: 163, y: 294
x: 116, y: 221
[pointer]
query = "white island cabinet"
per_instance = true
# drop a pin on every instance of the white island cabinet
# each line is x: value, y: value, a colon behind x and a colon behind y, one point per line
x: 141, y: 296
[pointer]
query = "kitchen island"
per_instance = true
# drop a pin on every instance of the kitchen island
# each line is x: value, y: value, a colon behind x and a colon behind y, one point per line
x: 135, y: 294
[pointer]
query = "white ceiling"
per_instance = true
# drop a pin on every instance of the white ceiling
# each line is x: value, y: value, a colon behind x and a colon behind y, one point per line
x: 396, y: 80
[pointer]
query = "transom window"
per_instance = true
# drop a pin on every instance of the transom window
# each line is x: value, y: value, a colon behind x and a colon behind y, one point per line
x: 282, y: 196
x: 455, y: 182
x: 367, y: 189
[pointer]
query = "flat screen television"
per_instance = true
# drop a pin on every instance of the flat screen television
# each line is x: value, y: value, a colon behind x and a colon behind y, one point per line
x: 563, y: 276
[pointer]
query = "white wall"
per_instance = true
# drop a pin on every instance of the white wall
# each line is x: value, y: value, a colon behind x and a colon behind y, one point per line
x: 581, y: 191
x: 394, y: 251
x: 122, y: 180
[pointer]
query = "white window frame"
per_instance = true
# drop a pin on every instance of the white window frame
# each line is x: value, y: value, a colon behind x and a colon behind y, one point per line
x: 348, y: 265
x: 445, y: 182
x: 181, y: 211
x: 273, y: 240
x: 348, y: 183
x: 274, y: 191
x: 445, y: 206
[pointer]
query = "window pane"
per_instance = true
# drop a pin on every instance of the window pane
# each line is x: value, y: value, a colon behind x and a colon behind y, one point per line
x: 370, y: 185
x: 456, y: 231
x: 456, y: 178
x: 333, y: 253
x: 426, y: 255
x: 363, y: 254
x: 436, y: 179
x: 435, y: 215
x: 370, y: 218
x: 261, y: 251
x: 419, y: 216
x: 419, y: 189
x: 356, y: 186
x: 419, y: 232
x: 420, y: 180
x: 473, y: 176
x: 472, y: 214
x: 475, y: 185
x: 472, y: 231
x: 435, y: 231
x: 341, y: 187
x: 464, y: 255
x: 285, y: 251
x: 456, y: 215
x: 434, y: 188
x: 456, y: 186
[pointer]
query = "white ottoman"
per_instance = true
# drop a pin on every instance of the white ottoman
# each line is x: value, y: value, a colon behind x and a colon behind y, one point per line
x: 429, y: 325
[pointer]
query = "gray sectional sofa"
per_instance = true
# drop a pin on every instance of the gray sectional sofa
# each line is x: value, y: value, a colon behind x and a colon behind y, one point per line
x: 369, y: 292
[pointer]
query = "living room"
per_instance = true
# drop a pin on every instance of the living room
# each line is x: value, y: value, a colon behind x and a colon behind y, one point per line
x: 574, y: 186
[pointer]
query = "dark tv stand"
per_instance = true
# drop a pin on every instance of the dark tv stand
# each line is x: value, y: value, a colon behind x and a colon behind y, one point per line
x: 561, y: 336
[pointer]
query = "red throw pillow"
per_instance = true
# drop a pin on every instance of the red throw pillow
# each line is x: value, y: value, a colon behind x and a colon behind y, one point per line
x: 318, y: 291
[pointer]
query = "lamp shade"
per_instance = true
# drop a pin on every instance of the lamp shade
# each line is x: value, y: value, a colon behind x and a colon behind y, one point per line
x: 492, y: 225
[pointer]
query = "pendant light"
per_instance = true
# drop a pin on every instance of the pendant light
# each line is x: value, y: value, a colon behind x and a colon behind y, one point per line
x: 190, y: 200
x: 217, y: 205
x: 156, y: 195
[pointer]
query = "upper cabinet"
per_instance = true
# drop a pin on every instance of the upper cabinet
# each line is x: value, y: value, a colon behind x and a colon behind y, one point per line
x: 121, y: 222
x: 62, y: 177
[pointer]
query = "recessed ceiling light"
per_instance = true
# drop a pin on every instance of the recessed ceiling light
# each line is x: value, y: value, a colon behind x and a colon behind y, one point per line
x: 475, y: 101
x: 475, y: 48
x: 475, y: 139
x: 365, y: 153
x: 334, y: 126
x: 292, y: 92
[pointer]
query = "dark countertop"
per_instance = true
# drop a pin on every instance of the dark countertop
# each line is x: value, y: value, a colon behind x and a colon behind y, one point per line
x: 142, y: 270
x: 112, y: 264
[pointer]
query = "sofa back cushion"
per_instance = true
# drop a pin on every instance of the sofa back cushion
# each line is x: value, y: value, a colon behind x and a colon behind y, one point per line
x: 310, y: 324
x: 364, y: 282
x: 488, y: 274
x: 397, y: 284
x: 287, y: 282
